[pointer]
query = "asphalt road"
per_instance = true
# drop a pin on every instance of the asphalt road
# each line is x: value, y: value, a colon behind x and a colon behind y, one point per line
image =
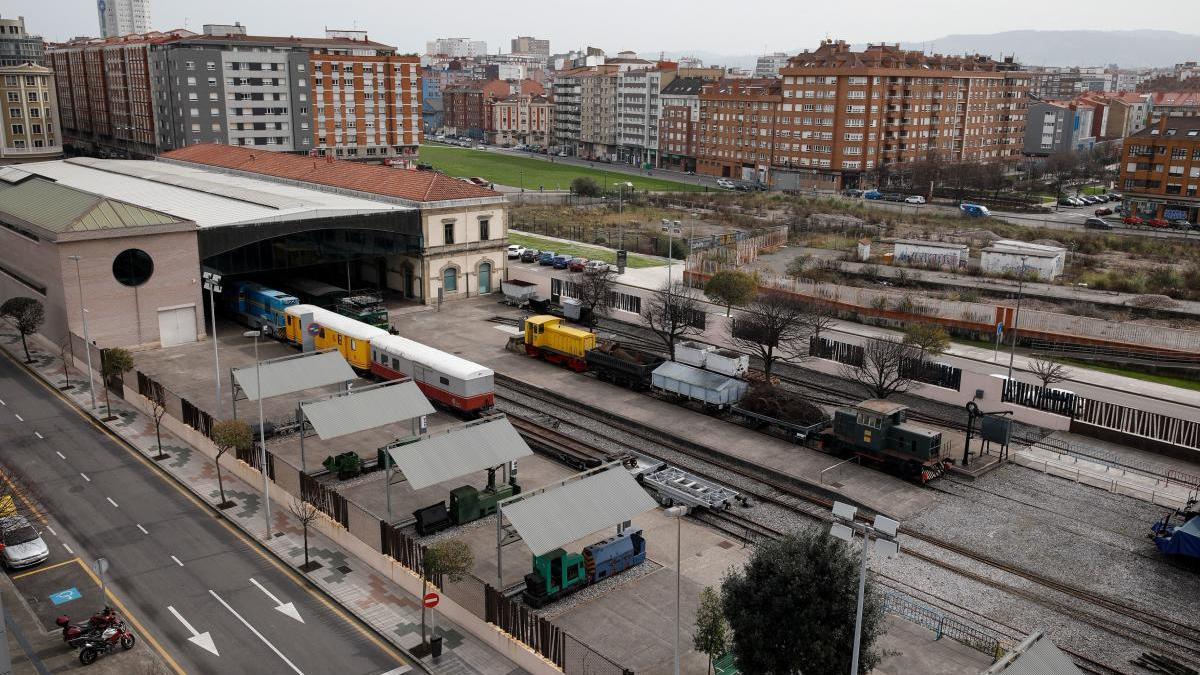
x: 169, y: 554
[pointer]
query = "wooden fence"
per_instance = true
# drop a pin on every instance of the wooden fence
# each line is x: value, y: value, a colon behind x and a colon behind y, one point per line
x: 328, y: 500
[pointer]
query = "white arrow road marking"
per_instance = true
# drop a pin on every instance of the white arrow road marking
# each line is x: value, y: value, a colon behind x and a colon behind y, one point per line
x: 39, y: 435
x: 60, y: 455
x: 255, y: 631
x: 201, y: 640
x: 287, y: 608
x: 19, y: 418
x: 110, y: 501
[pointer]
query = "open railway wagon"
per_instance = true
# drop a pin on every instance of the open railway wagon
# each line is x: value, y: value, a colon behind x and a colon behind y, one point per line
x: 518, y: 293
x: 365, y: 307
x: 671, y: 485
x: 771, y: 409
x: 713, y: 391
x: 623, y: 365
x: 557, y: 573
x: 878, y: 431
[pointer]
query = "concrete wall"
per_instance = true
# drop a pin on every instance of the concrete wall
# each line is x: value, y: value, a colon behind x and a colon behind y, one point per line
x: 24, y: 262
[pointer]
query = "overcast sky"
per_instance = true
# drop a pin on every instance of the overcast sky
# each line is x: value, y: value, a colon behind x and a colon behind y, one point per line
x: 646, y: 26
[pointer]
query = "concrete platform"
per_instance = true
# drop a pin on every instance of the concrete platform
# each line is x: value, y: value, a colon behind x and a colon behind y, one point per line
x: 462, y: 328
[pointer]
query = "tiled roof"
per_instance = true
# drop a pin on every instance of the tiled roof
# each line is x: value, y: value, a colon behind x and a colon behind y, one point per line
x: 1170, y: 127
x: 684, y: 86
x: 1177, y: 98
x: 415, y: 186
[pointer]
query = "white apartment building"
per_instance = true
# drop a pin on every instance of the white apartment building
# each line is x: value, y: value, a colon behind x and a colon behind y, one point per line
x: 639, y: 109
x: 456, y: 47
x: 123, y: 17
x: 769, y: 64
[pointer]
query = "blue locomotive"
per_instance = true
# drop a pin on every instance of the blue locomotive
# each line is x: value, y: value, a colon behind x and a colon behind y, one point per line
x: 557, y: 574
x: 878, y: 431
x: 259, y: 307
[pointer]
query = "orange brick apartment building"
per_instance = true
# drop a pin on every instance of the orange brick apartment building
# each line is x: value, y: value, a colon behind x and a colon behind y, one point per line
x: 1160, y: 170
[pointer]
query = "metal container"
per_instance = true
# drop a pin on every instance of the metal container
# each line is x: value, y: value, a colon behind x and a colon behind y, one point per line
x: 517, y: 293
x: 711, y: 389
x: 692, y: 353
x: 727, y: 362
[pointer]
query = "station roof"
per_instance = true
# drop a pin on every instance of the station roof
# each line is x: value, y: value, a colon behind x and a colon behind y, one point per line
x: 1036, y: 655
x: 207, y: 197
x: 459, y: 452
x: 293, y: 373
x: 368, y: 408
x: 61, y: 209
x: 557, y: 517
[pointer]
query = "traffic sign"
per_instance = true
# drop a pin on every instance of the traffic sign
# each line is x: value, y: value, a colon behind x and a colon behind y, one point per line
x: 1000, y: 328
x: 100, y: 567
x: 66, y: 595
x: 314, y: 328
x: 431, y: 600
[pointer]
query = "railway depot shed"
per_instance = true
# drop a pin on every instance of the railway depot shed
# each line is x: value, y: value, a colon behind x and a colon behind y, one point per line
x: 921, y: 252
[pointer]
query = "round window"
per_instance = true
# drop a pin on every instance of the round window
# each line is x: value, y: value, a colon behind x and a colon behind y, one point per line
x: 133, y: 267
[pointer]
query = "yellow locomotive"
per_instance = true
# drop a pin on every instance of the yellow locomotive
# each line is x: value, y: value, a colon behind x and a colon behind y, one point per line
x: 550, y: 338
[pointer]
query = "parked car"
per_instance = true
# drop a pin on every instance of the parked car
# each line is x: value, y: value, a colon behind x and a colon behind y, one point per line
x: 1104, y: 211
x: 594, y: 266
x: 743, y: 187
x: 1115, y: 197
x: 1157, y: 222
x: 482, y: 182
x: 1076, y: 201
x: 914, y: 199
x: 577, y: 264
x: 561, y: 262
x: 546, y: 258
x: 1102, y: 198
x: 852, y: 193
x: 530, y: 255
x: 872, y: 194
x: 1134, y: 220
x: 1097, y: 223
x: 1179, y: 224
x: 725, y: 183
x: 1066, y: 201
x: 515, y: 251
x: 562, y: 154
x: 23, y: 545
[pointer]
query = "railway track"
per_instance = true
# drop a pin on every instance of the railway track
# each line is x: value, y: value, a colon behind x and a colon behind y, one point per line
x: 1150, y: 630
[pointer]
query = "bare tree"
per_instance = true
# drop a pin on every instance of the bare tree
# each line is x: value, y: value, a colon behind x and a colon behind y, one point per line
x: 1048, y: 371
x: 820, y: 317
x: 594, y: 290
x: 115, y: 363
x: 882, y: 371
x: 671, y: 314
x: 66, y: 351
x: 227, y: 435
x: 306, y: 513
x: 775, y: 327
x: 158, y: 408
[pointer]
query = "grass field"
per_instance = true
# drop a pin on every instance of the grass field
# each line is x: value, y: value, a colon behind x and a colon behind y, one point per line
x: 1182, y: 383
x: 581, y: 250
x: 507, y: 169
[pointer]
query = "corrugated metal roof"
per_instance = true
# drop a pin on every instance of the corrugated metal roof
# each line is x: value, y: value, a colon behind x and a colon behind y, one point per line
x: 459, y: 452
x: 334, y: 321
x: 378, y: 406
x: 560, y: 516
x: 294, y: 374
x: 694, y: 376
x: 1036, y: 655
x: 61, y: 208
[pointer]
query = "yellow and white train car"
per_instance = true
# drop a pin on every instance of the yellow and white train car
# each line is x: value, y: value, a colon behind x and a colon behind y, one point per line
x: 332, y: 330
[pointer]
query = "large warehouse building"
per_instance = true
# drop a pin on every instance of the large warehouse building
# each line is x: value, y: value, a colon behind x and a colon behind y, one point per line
x: 145, y: 230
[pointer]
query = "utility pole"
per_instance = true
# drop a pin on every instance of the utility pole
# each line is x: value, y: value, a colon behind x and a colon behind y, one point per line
x: 1013, y: 350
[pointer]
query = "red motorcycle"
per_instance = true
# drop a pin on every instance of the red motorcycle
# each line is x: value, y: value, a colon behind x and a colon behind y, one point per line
x: 105, y: 642
x: 75, y: 633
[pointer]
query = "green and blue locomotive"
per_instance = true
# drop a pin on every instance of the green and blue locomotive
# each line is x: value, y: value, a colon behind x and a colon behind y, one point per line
x: 878, y: 431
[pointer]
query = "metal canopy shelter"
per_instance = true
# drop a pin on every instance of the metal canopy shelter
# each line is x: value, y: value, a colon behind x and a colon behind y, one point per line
x: 458, y: 452
x: 578, y: 506
x: 290, y: 374
x: 363, y: 408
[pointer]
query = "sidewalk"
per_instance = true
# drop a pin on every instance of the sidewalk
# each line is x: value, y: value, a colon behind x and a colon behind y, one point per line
x: 350, y: 581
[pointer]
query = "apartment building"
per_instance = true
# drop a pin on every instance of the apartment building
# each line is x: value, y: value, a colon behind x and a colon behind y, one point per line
x: 639, y: 109
x: 1118, y: 114
x: 530, y: 45
x: 568, y: 102
x: 18, y: 47
x: 1053, y: 127
x: 456, y: 47
x: 524, y: 119
x: 140, y: 95
x: 738, y: 119
x: 123, y: 17
x: 468, y: 106
x: 844, y: 113
x: 29, y: 123
x: 598, y: 114
x: 1160, y: 171
x: 1174, y: 104
x: 769, y: 65
x: 678, y: 123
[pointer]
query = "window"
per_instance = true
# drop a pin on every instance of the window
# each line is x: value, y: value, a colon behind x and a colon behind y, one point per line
x: 133, y: 267
x: 35, y: 112
x: 448, y: 233
x: 31, y: 95
x: 483, y: 229
x: 191, y: 81
x: 18, y: 129
x: 450, y: 280
x: 192, y: 96
x: 14, y: 112
x: 210, y: 66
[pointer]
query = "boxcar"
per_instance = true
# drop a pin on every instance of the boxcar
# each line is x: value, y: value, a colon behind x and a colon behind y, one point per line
x: 331, y: 330
x: 447, y: 379
x: 548, y: 337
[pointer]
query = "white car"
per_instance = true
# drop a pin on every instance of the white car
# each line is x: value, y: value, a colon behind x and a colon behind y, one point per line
x: 23, y: 545
x: 915, y: 199
x: 515, y: 251
x: 725, y: 183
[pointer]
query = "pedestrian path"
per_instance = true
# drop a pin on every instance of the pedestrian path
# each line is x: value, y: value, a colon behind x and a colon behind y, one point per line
x: 350, y: 581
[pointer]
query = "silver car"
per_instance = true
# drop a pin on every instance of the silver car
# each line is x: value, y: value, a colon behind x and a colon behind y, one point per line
x: 23, y: 545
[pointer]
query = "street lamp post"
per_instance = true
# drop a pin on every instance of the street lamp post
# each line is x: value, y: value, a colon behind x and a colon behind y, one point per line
x: 1013, y: 349
x: 884, y: 532
x: 212, y: 283
x: 678, y: 512
x: 262, y: 432
x: 87, y: 344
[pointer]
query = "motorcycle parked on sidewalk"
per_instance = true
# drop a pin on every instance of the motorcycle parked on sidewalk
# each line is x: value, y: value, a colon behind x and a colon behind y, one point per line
x: 74, y: 634
x: 106, y: 642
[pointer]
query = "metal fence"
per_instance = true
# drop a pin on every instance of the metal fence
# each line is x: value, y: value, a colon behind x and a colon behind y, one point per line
x: 1034, y: 396
x: 842, y: 352
x: 942, y: 624
x: 524, y: 624
x: 1115, y: 462
x: 328, y: 500
x: 918, y: 370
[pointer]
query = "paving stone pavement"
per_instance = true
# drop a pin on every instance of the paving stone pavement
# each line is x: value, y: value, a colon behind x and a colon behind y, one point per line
x: 370, y: 596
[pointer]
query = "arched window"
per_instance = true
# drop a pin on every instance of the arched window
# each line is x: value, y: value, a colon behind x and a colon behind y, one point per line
x: 450, y: 279
x: 485, y: 277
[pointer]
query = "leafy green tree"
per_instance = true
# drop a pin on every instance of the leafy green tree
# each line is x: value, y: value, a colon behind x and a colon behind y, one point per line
x: 792, y: 608
x: 27, y: 316
x: 116, y: 361
x: 730, y: 287
x: 451, y: 559
x: 712, y: 630
x: 585, y: 186
x: 228, y: 435
x: 930, y: 338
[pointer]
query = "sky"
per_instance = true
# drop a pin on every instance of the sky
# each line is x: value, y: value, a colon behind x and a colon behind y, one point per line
x: 645, y: 26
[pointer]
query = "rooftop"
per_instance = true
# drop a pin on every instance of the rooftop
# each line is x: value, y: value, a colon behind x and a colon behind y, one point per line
x: 684, y: 86
x: 414, y: 187
x: 208, y: 198
x: 931, y: 244
x: 839, y: 54
x: 62, y: 209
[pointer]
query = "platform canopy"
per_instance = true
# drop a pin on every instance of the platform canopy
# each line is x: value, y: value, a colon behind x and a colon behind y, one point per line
x: 557, y: 517
x: 367, y: 408
x: 459, y: 452
x: 291, y: 374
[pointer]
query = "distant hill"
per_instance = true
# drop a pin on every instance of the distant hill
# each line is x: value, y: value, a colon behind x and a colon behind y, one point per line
x: 1126, y: 48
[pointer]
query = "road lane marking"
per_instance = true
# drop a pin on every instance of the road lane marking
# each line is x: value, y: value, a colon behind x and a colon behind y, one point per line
x: 19, y: 418
x: 85, y: 476
x: 68, y: 547
x: 283, y: 607
x: 202, y: 640
x: 51, y: 529
x: 110, y: 501
x: 37, y: 513
x: 177, y: 562
x: 255, y: 631
x: 39, y: 435
x: 46, y: 568
x: 142, y: 529
x: 60, y: 455
x: 2, y: 402
x: 399, y: 671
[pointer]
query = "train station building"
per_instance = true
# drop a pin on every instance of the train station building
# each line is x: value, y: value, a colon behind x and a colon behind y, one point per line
x: 145, y: 231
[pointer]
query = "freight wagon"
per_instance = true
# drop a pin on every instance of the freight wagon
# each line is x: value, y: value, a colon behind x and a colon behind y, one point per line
x: 557, y: 574
x: 622, y: 365
x: 714, y: 391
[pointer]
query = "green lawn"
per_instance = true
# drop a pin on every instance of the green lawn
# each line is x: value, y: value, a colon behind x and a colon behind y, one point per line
x: 581, y: 250
x: 507, y: 169
x: 1168, y: 380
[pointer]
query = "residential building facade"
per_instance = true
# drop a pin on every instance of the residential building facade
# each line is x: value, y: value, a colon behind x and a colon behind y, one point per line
x: 521, y: 119
x: 1052, y: 128
x: 738, y: 120
x: 1160, y: 170
x: 678, y: 123
x: 568, y: 104
x: 639, y: 109
x: 468, y: 106
x: 29, y: 122
x: 769, y: 65
x: 18, y: 47
x: 844, y: 113
x: 1174, y: 104
x: 598, y: 114
x: 457, y: 47
x: 123, y: 17
x: 530, y: 45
